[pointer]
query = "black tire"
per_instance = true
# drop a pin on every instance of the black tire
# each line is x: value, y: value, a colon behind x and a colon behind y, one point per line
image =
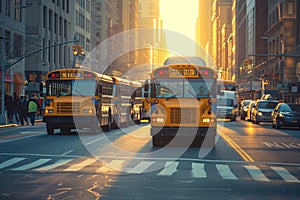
x: 156, y: 141
x: 277, y: 125
x: 50, y: 129
x: 65, y: 130
x: 242, y: 117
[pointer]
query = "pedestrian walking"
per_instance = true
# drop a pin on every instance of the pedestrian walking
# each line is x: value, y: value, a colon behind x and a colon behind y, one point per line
x: 23, y: 110
x: 33, y: 107
x: 10, y: 109
x: 15, y: 103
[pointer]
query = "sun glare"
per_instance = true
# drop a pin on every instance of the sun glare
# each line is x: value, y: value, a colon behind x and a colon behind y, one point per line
x: 179, y: 16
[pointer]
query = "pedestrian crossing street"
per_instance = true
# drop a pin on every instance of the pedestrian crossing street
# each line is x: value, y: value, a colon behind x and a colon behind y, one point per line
x: 157, y: 168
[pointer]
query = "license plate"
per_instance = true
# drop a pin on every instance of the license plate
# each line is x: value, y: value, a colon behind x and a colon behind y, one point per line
x: 294, y: 121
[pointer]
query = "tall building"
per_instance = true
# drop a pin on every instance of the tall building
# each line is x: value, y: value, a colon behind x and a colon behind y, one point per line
x: 203, y: 27
x: 13, y: 42
x: 281, y: 37
x: 48, y: 24
x: 240, y: 50
x: 221, y: 30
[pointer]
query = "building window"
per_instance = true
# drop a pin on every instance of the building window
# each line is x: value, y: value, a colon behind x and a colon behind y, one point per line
x: 44, y: 16
x: 290, y: 8
x: 55, y: 23
x: 60, y: 26
x: 8, y: 7
x: 63, y: 4
x: 7, y: 43
x: 17, y: 48
x: 65, y: 29
x: 50, y: 20
x: 18, y: 9
x: 44, y: 50
x: 68, y: 5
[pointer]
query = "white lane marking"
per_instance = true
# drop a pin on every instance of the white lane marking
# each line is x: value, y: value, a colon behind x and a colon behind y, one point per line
x: 169, y: 169
x: 141, y: 167
x: 198, y: 170
x: 115, y: 165
x: 93, y: 141
x: 21, y: 138
x: 31, y: 165
x: 67, y: 152
x: 285, y: 175
x: 10, y: 162
x: 225, y: 172
x: 54, y: 165
x: 81, y: 165
x: 256, y: 173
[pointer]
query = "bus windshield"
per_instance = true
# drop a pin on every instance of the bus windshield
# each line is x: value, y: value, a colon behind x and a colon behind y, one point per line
x: 71, y: 88
x: 185, y: 88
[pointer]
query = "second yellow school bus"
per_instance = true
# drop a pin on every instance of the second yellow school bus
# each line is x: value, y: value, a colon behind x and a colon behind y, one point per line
x: 183, y: 98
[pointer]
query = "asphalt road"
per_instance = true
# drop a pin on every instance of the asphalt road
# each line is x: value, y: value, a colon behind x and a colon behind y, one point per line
x: 249, y: 161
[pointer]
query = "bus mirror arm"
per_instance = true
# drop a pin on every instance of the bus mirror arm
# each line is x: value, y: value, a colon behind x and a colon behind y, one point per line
x: 209, y: 103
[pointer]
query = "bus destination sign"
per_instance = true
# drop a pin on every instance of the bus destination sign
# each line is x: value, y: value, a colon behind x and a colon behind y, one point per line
x: 179, y: 72
x: 71, y: 75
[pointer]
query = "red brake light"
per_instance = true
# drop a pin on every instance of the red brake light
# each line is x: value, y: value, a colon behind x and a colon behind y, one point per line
x: 206, y: 73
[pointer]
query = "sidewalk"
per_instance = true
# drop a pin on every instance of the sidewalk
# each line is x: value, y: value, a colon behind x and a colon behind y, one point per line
x: 4, y: 124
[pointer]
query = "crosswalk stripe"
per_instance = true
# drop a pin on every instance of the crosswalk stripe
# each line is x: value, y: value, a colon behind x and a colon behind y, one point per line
x: 31, y: 165
x: 198, y: 170
x: 141, y: 167
x: 256, y: 173
x: 81, y: 165
x: 10, y: 162
x: 54, y: 165
x: 285, y: 175
x: 115, y: 165
x: 225, y: 172
x: 169, y: 169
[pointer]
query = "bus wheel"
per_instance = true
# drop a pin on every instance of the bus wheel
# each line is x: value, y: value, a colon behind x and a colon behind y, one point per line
x: 65, y: 130
x: 156, y: 140
x: 50, y: 129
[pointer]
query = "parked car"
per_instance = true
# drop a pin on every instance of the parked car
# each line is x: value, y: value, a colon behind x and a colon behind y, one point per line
x: 262, y: 111
x: 244, y: 108
x: 249, y: 111
x: 286, y: 115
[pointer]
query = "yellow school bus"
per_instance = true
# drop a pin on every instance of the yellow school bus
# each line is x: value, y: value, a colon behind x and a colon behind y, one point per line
x: 77, y: 99
x: 183, y: 99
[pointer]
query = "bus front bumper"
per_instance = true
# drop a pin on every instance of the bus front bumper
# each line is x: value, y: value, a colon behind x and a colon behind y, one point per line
x: 183, y: 131
x: 70, y: 119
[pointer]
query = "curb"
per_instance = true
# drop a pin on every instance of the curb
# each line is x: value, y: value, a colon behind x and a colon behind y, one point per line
x: 15, y: 125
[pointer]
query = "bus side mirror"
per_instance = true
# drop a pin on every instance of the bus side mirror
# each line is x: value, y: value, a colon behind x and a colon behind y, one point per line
x: 153, y: 90
x: 146, y: 90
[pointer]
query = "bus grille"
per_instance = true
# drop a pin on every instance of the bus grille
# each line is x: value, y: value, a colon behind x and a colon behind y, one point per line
x: 184, y: 115
x: 68, y: 108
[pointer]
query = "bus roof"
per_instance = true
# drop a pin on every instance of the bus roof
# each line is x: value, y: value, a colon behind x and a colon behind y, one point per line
x: 193, y: 60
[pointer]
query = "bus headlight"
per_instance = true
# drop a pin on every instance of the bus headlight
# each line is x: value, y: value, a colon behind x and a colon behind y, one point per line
x: 158, y: 119
x: 88, y: 111
x: 206, y: 120
x: 48, y: 111
x: 260, y: 113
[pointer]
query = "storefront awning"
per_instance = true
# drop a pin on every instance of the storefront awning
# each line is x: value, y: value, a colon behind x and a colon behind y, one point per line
x: 7, y: 77
x: 18, y: 78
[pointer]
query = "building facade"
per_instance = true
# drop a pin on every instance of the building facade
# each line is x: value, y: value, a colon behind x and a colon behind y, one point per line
x: 13, y: 43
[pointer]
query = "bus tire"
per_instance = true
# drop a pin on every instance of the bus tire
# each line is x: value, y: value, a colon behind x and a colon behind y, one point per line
x: 50, y: 129
x: 156, y: 140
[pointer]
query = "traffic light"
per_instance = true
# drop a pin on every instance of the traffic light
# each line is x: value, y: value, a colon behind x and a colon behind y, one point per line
x: 80, y: 50
x: 75, y: 49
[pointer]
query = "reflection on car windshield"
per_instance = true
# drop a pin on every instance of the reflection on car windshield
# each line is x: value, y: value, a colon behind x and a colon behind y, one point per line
x: 267, y: 105
x: 225, y: 102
